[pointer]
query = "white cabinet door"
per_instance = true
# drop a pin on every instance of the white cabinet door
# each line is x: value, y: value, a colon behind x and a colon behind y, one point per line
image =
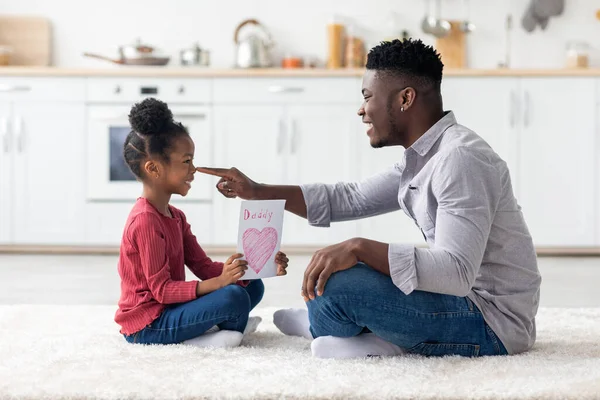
x: 557, y: 160
x: 322, y: 143
x: 6, y: 163
x: 252, y: 139
x: 49, y: 174
x: 489, y: 107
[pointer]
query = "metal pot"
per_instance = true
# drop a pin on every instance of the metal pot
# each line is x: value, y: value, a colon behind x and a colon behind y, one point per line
x: 194, y: 56
x: 135, y: 54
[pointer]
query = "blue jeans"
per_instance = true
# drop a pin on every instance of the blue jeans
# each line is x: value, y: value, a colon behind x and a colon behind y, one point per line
x: 361, y: 299
x: 228, y: 308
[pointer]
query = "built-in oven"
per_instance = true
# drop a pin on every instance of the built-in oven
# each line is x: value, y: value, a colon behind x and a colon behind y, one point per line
x: 108, y: 176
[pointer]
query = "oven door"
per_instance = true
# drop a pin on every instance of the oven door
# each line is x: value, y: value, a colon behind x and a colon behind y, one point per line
x: 109, y: 177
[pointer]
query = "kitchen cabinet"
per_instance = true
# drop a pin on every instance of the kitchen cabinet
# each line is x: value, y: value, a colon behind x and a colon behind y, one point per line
x: 287, y: 130
x: 321, y: 149
x: 6, y: 171
x: 557, y: 148
x: 41, y: 170
x: 282, y: 131
x: 284, y: 145
x: 489, y: 107
x: 532, y: 126
x: 250, y: 138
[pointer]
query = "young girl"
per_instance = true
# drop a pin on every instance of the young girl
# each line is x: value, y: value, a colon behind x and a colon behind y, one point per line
x: 157, y: 305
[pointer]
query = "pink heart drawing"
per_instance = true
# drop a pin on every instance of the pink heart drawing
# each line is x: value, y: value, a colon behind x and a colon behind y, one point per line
x: 258, y: 246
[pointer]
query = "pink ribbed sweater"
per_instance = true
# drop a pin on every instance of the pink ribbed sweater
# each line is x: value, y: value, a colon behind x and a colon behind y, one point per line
x: 154, y: 249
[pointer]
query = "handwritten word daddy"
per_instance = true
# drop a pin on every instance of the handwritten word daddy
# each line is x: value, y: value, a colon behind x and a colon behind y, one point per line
x: 262, y: 214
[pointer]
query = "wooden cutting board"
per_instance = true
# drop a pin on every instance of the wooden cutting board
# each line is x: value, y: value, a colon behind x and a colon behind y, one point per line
x: 452, y: 48
x: 30, y: 38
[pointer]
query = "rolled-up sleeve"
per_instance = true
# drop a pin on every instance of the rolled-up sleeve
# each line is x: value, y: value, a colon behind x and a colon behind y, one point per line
x: 378, y: 194
x: 466, y: 187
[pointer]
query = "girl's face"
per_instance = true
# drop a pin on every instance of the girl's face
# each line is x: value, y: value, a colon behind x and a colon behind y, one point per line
x: 176, y: 176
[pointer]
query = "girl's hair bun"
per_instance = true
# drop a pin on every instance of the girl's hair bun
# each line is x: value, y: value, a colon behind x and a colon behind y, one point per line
x: 150, y: 117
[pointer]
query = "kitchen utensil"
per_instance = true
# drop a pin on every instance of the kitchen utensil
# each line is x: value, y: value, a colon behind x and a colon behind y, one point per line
x: 252, y: 51
x: 467, y: 26
x: 428, y: 23
x: 508, y: 25
x: 137, y: 50
x: 194, y: 56
x: 442, y: 27
x: 30, y: 39
x: 145, y: 60
x: 452, y: 47
x: 135, y: 54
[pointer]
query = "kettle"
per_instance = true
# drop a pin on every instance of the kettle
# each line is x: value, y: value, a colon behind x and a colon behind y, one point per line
x: 253, y: 51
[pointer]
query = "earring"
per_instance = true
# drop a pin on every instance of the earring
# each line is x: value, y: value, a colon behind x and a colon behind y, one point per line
x: 401, y: 109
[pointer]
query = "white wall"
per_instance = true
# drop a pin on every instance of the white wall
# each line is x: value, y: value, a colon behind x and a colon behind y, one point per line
x: 297, y: 26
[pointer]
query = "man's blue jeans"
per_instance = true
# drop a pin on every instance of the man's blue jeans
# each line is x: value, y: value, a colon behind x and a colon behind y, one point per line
x: 361, y: 299
x: 228, y: 308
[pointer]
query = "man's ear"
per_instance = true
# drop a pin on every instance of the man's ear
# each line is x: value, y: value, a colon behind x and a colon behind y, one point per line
x: 407, y: 98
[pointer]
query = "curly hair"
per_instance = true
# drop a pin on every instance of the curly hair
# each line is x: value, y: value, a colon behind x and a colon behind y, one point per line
x: 407, y: 57
x: 152, y: 133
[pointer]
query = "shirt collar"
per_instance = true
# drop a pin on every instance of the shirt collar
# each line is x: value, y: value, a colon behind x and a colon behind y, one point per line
x: 423, y: 144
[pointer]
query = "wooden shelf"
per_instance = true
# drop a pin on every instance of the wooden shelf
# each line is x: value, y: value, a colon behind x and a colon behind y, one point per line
x: 198, y: 72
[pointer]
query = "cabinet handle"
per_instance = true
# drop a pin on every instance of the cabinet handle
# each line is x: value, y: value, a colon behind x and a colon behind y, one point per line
x: 14, y: 88
x: 20, y: 134
x: 280, y: 136
x: 526, y: 110
x: 5, y: 134
x: 283, y: 89
x: 191, y: 116
x: 513, y: 106
x: 293, y: 136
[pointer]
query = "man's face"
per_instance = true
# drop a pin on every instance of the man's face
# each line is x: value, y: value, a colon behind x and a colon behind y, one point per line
x: 380, y: 110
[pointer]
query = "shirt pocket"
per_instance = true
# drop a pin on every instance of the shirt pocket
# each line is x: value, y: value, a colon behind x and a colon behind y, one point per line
x: 417, y: 203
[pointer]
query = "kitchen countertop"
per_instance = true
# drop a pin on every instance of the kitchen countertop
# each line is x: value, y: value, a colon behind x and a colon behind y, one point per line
x: 191, y: 72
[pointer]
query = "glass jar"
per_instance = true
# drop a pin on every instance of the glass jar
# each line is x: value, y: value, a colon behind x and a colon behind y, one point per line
x: 578, y: 54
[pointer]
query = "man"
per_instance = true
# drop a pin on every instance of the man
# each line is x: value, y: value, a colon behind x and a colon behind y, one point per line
x: 473, y: 292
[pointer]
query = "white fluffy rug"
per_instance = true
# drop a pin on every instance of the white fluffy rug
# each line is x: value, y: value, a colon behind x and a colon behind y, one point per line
x: 64, y: 352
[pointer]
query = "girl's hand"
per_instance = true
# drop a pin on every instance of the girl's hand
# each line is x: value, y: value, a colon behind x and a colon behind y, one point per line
x: 282, y: 263
x: 233, y: 269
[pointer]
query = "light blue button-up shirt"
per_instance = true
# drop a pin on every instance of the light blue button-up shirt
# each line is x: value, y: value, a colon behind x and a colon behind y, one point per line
x: 459, y: 192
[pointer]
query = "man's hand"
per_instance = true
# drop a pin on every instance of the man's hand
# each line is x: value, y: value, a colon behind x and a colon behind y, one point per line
x: 324, y: 263
x: 233, y: 183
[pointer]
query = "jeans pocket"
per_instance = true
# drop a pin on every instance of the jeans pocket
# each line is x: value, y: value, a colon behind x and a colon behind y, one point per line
x: 446, y: 349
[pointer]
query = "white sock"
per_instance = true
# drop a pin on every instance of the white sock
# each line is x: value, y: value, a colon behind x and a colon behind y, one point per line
x: 216, y: 339
x: 252, y: 325
x: 293, y: 322
x: 212, y: 330
x: 361, y: 346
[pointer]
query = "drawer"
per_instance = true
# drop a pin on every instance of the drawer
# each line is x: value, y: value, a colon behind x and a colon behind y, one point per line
x: 129, y: 90
x: 42, y: 89
x: 287, y: 90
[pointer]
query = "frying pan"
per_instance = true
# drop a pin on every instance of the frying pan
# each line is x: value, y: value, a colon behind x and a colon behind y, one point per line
x: 146, y: 60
